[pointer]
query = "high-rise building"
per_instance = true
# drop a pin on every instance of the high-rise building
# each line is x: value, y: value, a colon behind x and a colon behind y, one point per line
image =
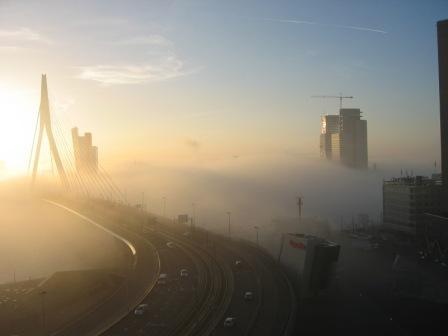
x: 353, y: 139
x: 86, y: 155
x: 442, y: 39
x: 344, y: 138
x: 330, y: 125
x: 419, y: 206
x: 406, y: 200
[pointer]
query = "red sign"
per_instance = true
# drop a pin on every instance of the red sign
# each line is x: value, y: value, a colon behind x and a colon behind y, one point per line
x: 297, y: 245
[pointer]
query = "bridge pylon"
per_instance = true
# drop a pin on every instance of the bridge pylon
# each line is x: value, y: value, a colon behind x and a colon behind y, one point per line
x: 45, y: 125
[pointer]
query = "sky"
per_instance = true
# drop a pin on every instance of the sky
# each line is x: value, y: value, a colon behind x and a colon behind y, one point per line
x: 202, y: 82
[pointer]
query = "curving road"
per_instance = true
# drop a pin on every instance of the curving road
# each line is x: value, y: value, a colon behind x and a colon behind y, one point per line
x: 139, y: 278
x: 197, y: 304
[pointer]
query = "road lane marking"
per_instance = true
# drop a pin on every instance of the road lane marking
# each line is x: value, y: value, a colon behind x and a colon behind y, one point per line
x: 122, y: 239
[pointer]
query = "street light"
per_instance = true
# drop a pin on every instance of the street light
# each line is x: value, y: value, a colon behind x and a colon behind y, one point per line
x: 256, y: 229
x: 42, y: 295
x: 164, y: 205
x: 194, y: 214
x: 143, y: 202
x: 228, y: 228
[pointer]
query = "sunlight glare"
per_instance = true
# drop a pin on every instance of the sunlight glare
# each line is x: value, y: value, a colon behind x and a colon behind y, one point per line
x: 19, y: 108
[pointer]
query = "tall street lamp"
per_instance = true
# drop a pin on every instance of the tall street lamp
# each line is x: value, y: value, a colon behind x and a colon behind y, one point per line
x: 42, y: 295
x: 228, y: 227
x: 256, y: 229
x: 194, y: 214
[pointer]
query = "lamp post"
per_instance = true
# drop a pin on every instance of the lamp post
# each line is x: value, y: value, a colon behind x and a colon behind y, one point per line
x: 42, y: 295
x: 300, y: 205
x: 256, y: 230
x: 164, y: 206
x: 228, y: 227
x: 194, y: 214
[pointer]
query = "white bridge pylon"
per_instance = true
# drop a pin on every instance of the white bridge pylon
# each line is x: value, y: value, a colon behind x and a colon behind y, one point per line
x: 45, y: 125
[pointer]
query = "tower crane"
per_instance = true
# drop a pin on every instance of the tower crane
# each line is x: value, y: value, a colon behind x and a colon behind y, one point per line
x: 340, y: 97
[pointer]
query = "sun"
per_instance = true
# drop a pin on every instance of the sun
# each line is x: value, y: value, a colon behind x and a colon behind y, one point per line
x: 18, y: 110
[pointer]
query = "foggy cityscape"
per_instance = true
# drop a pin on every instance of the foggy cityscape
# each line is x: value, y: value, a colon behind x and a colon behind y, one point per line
x: 223, y: 168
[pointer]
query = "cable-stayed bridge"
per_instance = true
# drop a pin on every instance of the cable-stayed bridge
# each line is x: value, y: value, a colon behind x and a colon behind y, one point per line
x: 79, y: 178
x: 176, y: 279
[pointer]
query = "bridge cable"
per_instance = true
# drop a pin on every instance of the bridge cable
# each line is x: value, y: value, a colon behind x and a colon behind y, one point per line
x: 34, y: 140
x: 66, y: 151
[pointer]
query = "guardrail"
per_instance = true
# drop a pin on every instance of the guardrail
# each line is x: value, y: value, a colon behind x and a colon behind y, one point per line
x: 133, y: 251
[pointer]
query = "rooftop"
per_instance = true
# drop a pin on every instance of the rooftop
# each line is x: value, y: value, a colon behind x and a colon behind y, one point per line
x: 415, y: 180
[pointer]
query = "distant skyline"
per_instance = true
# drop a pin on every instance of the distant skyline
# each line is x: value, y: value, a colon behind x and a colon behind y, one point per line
x: 207, y: 81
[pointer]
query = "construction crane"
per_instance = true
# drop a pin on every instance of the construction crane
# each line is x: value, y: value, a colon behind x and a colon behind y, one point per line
x: 340, y: 97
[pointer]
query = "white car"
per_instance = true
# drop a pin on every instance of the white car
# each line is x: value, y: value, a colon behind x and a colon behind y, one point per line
x: 229, y: 322
x: 141, y: 309
x: 238, y: 263
x: 163, y: 278
x: 248, y: 296
x: 183, y: 273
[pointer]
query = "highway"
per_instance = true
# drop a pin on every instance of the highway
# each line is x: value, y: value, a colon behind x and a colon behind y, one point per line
x: 193, y: 305
x: 270, y: 310
x: 165, y: 300
x: 139, y: 279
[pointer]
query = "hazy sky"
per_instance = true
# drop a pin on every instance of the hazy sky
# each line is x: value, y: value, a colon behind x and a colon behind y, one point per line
x: 198, y: 81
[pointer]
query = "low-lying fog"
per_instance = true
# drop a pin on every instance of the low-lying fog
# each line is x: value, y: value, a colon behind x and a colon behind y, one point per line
x: 37, y: 239
x: 258, y: 192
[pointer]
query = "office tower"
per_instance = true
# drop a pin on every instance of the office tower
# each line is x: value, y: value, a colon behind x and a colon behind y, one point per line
x: 442, y: 39
x: 344, y: 138
x: 406, y: 201
x: 329, y: 127
x: 86, y: 155
x: 353, y: 139
x: 419, y: 206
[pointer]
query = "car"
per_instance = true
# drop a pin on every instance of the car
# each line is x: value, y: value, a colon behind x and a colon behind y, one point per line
x: 141, y: 309
x: 229, y: 322
x: 170, y: 244
x: 183, y: 273
x: 248, y: 296
x: 163, y: 279
x: 238, y: 263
